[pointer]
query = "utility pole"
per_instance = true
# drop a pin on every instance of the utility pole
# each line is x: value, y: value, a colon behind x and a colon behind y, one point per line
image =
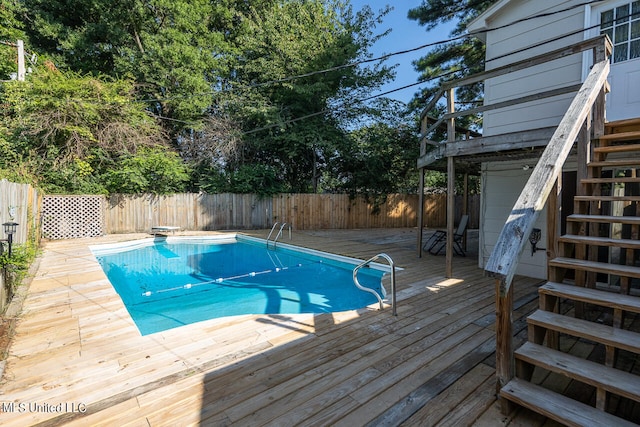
x: 21, y: 68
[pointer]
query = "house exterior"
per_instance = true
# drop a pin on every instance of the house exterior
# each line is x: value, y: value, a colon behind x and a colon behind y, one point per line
x: 560, y: 169
x: 515, y: 30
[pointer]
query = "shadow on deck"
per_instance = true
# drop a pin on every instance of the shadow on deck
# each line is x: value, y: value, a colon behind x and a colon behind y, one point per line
x: 433, y: 364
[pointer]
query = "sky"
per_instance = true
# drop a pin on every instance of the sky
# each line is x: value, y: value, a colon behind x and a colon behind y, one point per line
x: 405, y: 34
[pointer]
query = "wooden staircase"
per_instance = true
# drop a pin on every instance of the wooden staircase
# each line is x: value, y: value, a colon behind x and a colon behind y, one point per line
x: 593, y: 296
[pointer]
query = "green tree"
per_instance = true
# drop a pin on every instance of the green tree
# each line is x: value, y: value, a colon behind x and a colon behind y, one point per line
x: 63, y: 130
x: 218, y: 74
x: 380, y: 159
x: 11, y: 30
x: 172, y: 48
x: 455, y: 59
x: 207, y: 67
x: 154, y: 171
x: 294, y: 126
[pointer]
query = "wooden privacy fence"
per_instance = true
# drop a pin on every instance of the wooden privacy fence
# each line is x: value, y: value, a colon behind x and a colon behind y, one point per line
x: 126, y: 214
x: 19, y: 203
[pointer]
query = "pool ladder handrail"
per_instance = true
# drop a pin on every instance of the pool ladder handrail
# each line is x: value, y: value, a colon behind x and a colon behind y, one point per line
x: 275, y: 240
x: 384, y: 292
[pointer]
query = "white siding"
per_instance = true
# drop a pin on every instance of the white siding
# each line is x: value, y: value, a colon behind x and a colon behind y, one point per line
x: 502, y: 183
x: 548, y: 76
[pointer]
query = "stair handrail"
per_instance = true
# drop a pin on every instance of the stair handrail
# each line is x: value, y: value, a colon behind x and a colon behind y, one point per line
x: 503, y: 261
x: 275, y: 224
x: 275, y: 239
x: 284, y: 224
x: 383, y: 290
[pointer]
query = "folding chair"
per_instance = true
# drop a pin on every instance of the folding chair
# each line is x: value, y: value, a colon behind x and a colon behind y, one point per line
x: 438, y: 239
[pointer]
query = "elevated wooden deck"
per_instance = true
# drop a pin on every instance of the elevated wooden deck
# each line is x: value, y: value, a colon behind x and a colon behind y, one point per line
x: 78, y: 359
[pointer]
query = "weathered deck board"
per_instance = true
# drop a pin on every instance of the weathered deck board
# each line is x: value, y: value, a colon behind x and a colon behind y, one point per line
x: 430, y: 364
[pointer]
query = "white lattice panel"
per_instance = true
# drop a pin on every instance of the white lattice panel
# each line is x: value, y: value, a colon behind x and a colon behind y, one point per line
x: 72, y: 217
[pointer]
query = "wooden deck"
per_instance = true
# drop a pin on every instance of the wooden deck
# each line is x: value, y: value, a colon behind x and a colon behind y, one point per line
x: 78, y: 359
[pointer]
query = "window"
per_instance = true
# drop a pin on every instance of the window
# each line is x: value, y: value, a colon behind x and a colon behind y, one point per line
x: 622, y: 25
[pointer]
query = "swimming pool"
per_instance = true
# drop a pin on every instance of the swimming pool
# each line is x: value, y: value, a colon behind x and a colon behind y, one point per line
x: 166, y: 283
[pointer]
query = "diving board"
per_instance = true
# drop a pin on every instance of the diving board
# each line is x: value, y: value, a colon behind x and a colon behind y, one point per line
x: 164, y: 229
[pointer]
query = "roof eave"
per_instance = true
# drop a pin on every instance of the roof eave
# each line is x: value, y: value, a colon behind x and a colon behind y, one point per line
x: 481, y: 22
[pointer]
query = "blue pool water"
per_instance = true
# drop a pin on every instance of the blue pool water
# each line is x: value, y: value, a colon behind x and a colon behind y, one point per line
x: 168, y: 283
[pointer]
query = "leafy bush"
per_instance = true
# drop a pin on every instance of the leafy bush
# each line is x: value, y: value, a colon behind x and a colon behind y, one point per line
x: 150, y: 171
x: 61, y: 131
x: 17, y: 265
x: 257, y: 179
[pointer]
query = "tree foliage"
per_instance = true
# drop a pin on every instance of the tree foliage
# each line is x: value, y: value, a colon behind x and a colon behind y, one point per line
x: 62, y: 130
x: 77, y: 114
x: 455, y: 59
x: 232, y: 86
x: 11, y: 30
x: 151, y: 170
x: 382, y: 160
x: 379, y: 159
x: 171, y: 48
x: 294, y: 126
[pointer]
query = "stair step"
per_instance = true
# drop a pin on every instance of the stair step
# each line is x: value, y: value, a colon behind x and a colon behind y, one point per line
x: 623, y: 123
x: 598, y: 267
x: 600, y: 241
x: 610, y: 379
x: 558, y: 407
x: 592, y: 296
x: 607, y: 198
x: 620, y: 136
x: 617, y: 163
x: 622, y: 179
x: 607, y: 335
x: 605, y: 219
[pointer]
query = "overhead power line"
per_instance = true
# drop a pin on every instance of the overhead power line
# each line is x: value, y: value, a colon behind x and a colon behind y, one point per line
x: 474, y: 34
x: 377, y: 59
x: 385, y: 56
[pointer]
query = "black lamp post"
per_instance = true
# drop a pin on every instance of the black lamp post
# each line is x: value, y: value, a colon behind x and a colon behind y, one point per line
x: 10, y: 229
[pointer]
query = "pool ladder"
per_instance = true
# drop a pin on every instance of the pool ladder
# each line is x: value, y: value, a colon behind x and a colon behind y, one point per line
x: 275, y: 239
x: 384, y: 292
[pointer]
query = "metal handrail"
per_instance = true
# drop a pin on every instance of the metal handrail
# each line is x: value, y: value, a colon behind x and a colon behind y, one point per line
x: 275, y: 240
x: 284, y: 224
x: 275, y: 224
x: 384, y: 292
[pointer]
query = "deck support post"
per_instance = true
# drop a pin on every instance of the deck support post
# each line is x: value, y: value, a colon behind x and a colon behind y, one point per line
x: 465, y: 206
x: 451, y: 197
x: 420, y: 210
x: 424, y: 125
x: 451, y: 180
x: 504, y: 341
